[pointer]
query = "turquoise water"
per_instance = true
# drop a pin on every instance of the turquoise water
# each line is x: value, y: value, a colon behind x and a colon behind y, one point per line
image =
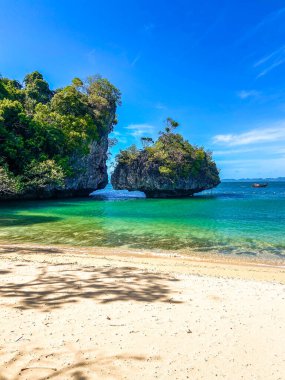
x: 233, y: 219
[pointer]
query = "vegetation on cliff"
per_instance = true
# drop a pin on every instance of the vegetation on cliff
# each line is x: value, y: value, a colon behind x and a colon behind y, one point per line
x: 41, y: 130
x: 168, y: 166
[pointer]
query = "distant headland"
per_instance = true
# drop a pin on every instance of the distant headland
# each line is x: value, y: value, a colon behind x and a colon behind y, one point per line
x: 278, y: 179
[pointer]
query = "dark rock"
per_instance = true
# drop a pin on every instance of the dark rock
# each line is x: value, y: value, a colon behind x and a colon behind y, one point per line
x: 90, y: 174
x: 144, y: 175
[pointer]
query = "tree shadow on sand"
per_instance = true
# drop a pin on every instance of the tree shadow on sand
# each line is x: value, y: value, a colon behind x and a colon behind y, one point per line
x: 39, y: 365
x: 7, y: 249
x: 50, y: 288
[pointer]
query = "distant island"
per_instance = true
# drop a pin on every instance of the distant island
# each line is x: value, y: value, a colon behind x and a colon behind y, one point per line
x: 54, y: 143
x: 166, y: 168
x: 278, y: 179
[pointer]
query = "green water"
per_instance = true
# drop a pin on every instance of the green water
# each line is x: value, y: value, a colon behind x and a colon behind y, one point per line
x: 234, y: 219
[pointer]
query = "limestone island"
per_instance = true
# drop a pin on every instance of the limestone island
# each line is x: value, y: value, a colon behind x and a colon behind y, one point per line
x: 168, y: 168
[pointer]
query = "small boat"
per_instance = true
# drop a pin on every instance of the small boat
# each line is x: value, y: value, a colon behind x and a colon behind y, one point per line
x: 259, y: 185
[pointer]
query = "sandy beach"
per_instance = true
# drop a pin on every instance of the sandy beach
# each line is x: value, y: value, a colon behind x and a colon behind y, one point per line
x: 82, y: 313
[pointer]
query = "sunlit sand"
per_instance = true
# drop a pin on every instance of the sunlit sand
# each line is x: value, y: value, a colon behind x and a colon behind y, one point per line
x: 87, y: 313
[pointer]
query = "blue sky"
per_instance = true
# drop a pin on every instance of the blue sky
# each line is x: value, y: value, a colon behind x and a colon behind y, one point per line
x: 218, y: 67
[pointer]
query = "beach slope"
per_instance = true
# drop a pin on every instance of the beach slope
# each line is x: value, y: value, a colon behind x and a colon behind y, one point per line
x: 70, y: 313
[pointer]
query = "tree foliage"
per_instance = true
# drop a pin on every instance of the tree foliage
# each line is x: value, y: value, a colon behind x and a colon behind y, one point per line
x: 41, y: 129
x: 172, y: 155
x: 9, y: 184
x: 42, y: 174
x: 146, y: 141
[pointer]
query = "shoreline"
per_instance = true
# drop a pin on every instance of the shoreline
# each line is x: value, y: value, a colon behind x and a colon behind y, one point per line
x: 205, y: 265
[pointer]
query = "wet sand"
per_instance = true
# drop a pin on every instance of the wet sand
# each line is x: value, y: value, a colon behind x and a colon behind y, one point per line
x: 97, y: 313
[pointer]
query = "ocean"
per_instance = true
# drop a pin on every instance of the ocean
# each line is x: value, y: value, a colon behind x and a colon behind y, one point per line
x: 232, y: 219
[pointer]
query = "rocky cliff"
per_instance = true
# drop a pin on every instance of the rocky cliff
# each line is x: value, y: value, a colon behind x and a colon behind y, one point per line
x: 91, y: 171
x: 54, y: 143
x: 90, y: 174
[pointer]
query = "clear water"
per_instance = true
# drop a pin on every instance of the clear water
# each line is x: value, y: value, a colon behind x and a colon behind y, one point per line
x: 233, y: 219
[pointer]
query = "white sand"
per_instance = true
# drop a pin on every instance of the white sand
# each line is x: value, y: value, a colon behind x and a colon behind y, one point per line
x: 86, y: 316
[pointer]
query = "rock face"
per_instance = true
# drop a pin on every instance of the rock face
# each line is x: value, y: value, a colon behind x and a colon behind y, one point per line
x: 90, y: 175
x: 142, y: 175
x: 91, y: 172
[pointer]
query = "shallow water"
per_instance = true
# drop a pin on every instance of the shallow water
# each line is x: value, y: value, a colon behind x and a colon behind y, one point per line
x: 233, y: 219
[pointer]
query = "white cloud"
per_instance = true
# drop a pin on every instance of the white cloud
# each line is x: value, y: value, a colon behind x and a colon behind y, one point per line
x: 244, y: 94
x: 269, y: 150
x: 269, y: 56
x: 160, y: 106
x: 138, y: 130
x: 254, y: 167
x: 148, y: 28
x: 269, y: 19
x: 271, y: 67
x: 118, y: 136
x: 231, y: 152
x: 136, y: 59
x: 254, y: 136
x: 252, y: 161
x: 257, y: 152
x: 271, y: 61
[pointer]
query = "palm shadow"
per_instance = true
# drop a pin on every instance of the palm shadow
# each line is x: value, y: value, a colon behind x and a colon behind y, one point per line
x: 46, y: 366
x: 52, y: 288
x: 7, y: 249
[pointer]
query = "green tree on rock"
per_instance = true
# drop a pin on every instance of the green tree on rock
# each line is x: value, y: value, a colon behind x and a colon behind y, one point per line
x: 42, y: 131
